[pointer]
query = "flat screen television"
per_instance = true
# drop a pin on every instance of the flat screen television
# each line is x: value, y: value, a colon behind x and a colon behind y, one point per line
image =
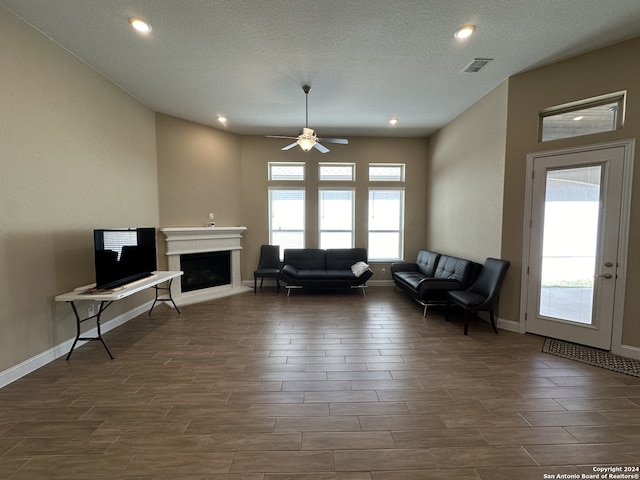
x: 123, y: 255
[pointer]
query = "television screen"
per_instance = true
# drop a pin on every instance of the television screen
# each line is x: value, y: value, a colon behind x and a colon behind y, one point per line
x: 123, y: 255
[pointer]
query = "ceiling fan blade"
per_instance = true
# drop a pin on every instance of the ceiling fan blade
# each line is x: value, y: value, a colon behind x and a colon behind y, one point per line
x: 278, y: 136
x: 288, y: 147
x: 342, y: 141
x: 319, y: 146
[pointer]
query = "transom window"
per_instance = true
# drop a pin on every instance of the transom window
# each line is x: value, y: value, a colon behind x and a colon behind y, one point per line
x: 603, y: 114
x: 286, y: 170
x: 386, y: 172
x: 345, y: 172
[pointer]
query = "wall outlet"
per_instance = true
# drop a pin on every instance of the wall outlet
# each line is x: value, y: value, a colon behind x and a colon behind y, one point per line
x: 91, y: 310
x: 383, y: 270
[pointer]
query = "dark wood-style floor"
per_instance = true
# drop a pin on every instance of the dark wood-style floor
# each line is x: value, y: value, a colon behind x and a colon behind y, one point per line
x: 315, y: 387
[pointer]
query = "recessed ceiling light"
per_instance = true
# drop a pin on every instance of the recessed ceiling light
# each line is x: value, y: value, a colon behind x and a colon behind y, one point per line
x: 393, y: 121
x: 140, y: 25
x: 578, y: 118
x: 222, y: 119
x: 465, y: 32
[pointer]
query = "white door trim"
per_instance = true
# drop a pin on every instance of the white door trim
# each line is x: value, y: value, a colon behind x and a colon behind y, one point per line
x: 625, y: 217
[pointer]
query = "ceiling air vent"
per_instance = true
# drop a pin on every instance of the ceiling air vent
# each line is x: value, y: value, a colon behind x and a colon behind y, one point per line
x: 476, y: 65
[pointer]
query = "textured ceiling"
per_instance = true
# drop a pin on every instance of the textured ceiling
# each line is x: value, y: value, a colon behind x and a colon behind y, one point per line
x: 367, y: 61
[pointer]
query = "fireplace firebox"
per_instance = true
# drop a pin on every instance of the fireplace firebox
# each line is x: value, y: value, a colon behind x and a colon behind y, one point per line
x: 205, y: 270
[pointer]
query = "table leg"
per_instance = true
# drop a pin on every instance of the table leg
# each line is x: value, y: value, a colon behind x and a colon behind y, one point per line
x: 102, y: 308
x: 167, y: 298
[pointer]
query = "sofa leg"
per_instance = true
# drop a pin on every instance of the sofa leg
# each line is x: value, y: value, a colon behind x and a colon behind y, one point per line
x: 466, y: 321
x: 493, y: 321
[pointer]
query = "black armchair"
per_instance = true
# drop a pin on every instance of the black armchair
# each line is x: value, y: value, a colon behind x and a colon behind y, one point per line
x: 482, y: 294
x: 268, y: 266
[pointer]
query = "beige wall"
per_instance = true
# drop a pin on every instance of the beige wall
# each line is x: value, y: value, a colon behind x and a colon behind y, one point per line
x: 198, y: 173
x: 77, y: 153
x: 466, y: 179
x: 603, y: 71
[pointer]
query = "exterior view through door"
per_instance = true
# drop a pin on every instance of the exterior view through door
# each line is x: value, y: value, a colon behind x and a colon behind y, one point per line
x: 571, y: 275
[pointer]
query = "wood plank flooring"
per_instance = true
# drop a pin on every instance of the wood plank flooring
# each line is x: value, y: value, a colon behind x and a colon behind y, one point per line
x: 320, y: 386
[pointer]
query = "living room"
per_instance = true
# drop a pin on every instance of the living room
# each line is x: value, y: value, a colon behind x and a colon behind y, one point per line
x: 80, y: 153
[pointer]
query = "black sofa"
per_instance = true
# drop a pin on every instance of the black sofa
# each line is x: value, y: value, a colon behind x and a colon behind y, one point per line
x: 316, y: 268
x: 432, y: 275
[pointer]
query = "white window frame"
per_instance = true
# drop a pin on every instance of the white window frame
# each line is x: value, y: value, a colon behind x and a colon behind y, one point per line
x: 400, y: 230
x: 321, y: 216
x: 271, y: 190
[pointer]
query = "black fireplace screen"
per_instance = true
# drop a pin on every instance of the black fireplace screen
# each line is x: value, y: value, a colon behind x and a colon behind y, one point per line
x: 205, y: 270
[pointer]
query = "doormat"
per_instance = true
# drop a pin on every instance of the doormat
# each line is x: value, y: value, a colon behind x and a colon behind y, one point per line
x: 592, y: 356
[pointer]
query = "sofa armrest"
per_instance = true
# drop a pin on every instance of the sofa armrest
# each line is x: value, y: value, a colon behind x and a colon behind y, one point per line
x: 438, y: 285
x: 403, y: 267
x: 290, y: 270
x: 365, y: 276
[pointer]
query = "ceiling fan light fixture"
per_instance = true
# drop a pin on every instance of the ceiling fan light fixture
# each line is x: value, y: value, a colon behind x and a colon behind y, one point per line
x: 306, y: 139
x: 306, y: 143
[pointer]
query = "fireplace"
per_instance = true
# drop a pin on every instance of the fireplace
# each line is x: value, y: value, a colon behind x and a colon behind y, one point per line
x: 210, y: 260
x: 205, y: 270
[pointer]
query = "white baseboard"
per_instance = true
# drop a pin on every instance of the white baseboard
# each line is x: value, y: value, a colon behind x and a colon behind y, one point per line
x: 31, y: 364
x: 509, y: 325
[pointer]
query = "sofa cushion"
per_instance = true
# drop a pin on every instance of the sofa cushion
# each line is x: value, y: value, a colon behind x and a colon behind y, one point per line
x: 344, y: 258
x: 411, y: 279
x: 306, y: 258
x: 427, y: 262
x: 454, y: 268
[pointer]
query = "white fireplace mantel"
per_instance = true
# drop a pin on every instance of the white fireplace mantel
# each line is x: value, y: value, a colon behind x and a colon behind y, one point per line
x: 185, y: 240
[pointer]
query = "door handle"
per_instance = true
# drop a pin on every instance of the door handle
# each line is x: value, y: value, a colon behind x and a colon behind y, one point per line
x: 606, y: 275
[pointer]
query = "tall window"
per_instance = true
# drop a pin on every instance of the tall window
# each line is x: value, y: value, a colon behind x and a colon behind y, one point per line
x: 335, y: 218
x: 286, y: 218
x: 386, y: 224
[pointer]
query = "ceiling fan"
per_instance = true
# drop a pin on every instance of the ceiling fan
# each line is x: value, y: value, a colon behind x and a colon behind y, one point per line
x: 307, y: 139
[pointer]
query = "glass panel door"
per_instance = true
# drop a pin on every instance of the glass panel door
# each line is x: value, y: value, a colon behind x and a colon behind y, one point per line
x: 569, y: 244
x: 573, y: 251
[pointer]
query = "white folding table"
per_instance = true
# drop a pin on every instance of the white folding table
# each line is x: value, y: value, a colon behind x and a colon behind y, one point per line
x: 107, y: 297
